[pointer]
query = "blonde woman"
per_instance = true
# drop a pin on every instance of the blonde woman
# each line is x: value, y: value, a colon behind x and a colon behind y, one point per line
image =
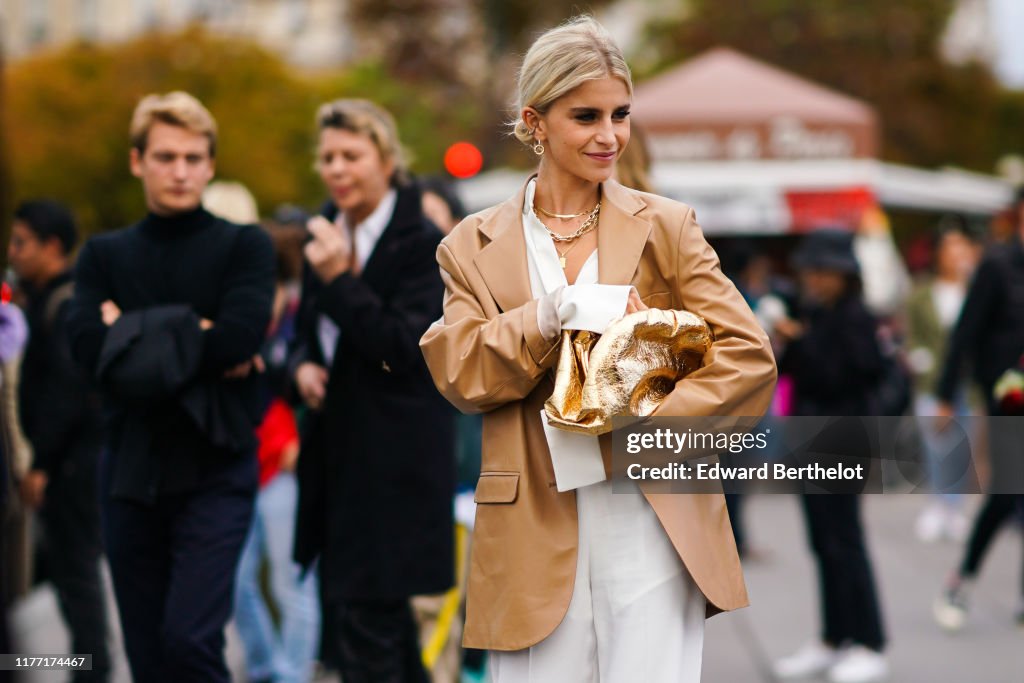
x: 376, y: 473
x: 584, y: 585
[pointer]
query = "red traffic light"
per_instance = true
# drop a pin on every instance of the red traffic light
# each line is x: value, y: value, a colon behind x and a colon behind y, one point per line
x: 463, y: 160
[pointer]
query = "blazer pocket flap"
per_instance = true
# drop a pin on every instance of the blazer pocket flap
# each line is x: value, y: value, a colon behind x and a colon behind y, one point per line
x: 497, y: 487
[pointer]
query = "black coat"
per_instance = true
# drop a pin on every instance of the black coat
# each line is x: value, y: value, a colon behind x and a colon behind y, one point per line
x: 152, y: 358
x: 60, y: 410
x: 990, y: 331
x: 837, y: 364
x: 376, y: 472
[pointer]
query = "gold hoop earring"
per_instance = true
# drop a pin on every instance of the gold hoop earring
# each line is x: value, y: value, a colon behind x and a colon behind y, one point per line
x: 538, y: 149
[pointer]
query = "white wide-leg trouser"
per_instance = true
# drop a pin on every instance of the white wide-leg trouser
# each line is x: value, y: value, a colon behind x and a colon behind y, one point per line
x: 635, y: 616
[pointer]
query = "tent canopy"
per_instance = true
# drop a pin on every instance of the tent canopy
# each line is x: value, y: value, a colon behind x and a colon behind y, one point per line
x: 725, y: 105
x: 724, y: 85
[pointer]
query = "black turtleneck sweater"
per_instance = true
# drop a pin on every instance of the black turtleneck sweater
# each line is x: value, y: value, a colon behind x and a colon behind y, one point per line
x: 223, y: 271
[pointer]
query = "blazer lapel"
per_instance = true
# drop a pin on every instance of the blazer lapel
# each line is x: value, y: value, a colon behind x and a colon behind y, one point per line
x: 502, y: 263
x: 621, y: 235
x: 621, y: 239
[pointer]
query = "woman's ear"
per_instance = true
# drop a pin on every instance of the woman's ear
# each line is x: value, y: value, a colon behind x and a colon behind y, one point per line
x: 533, y: 121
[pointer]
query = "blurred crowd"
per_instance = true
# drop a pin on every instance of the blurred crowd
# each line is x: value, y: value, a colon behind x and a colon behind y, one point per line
x: 357, y: 565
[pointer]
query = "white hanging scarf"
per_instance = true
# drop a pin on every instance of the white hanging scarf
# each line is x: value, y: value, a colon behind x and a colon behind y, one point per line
x: 586, y: 305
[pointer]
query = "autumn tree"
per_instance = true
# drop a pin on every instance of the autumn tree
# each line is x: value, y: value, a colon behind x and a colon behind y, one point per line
x: 68, y: 115
x: 887, y: 53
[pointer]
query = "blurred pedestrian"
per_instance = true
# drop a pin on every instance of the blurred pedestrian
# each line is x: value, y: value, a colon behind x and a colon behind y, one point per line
x: 584, y: 585
x: 376, y: 472
x: 60, y: 413
x: 168, y: 315
x: 990, y: 336
x: 834, y: 358
x: 932, y: 311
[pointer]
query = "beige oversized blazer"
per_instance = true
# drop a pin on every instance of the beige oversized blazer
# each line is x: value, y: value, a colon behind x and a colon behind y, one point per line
x: 487, y: 355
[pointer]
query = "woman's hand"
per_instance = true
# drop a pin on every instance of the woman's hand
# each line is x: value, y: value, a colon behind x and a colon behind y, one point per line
x: 634, y: 303
x: 311, y: 380
x: 330, y: 251
x: 110, y: 312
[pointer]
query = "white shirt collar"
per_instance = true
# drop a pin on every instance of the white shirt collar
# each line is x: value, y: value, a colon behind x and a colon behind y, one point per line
x: 546, y: 274
x: 368, y: 233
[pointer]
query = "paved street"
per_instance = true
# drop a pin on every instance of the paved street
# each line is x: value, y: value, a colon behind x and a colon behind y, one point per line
x: 784, y: 612
x: 783, y: 589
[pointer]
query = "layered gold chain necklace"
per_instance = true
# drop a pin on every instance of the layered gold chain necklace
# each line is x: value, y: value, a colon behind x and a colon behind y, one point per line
x: 586, y: 226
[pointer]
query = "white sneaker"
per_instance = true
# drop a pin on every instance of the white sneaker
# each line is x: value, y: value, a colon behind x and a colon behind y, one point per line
x: 859, y: 664
x: 950, y: 608
x: 810, y: 660
x: 931, y: 523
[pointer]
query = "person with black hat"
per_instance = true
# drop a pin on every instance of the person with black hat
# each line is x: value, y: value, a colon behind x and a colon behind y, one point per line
x: 836, y: 363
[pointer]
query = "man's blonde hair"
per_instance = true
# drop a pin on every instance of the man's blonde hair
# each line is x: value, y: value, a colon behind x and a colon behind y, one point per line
x: 177, y: 109
x: 366, y: 118
x: 561, y: 60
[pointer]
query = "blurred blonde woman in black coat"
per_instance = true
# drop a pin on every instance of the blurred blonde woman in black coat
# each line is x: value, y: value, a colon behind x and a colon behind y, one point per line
x: 376, y: 472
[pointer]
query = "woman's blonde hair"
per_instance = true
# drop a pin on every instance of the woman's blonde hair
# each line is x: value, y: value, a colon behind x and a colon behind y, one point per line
x: 633, y: 166
x: 366, y: 118
x: 177, y: 109
x: 561, y: 60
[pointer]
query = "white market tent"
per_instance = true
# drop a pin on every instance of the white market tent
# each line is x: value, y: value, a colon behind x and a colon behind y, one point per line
x: 775, y: 196
x: 756, y: 150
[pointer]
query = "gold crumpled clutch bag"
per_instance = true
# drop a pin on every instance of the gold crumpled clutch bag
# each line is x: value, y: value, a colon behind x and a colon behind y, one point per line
x: 628, y: 370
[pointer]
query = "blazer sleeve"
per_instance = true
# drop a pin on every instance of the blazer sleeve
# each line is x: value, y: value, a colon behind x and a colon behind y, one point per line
x: 477, y: 363
x: 739, y: 373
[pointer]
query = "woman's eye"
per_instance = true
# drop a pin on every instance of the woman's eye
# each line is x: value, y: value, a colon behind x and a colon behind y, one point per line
x: 621, y: 114
x: 586, y: 117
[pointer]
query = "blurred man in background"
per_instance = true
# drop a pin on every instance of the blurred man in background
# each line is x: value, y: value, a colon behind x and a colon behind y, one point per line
x: 168, y: 315
x: 61, y: 418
